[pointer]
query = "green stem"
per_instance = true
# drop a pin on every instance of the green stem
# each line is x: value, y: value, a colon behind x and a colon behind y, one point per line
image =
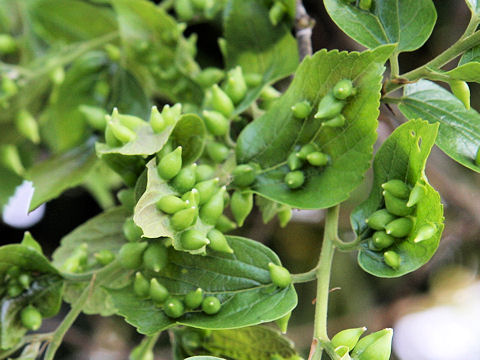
x: 305, y: 277
x: 394, y: 67
x: 323, y: 276
x: 26, y: 340
x: 346, y: 246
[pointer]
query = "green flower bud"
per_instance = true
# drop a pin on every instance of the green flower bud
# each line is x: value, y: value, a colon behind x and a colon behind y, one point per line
x: 25, y: 280
x: 302, y: 109
x: 371, y: 244
x: 294, y: 162
x: 217, y: 151
x: 416, y: 195
x: 343, y: 89
x: 294, y: 179
x: 155, y: 257
x: 269, y: 93
x: 218, y: 242
x: 158, y: 293
x: 31, y: 318
x: 157, y: 122
x: 127, y: 198
x: 184, y: 10
x: 209, y: 76
x: 305, y: 150
x: 397, y: 188
x: 253, y: 80
x: 184, y: 218
x: 279, y: 275
x: 10, y: 158
x: 282, y: 323
x: 381, y: 240
x: 221, y: 102
x: 317, y: 158
x: 186, y: 179
x: 110, y: 138
x: 206, y: 189
x: 379, y: 219
x: 343, y: 351
x: 365, y: 4
x: 425, y: 232
x: 284, y: 215
x: 329, y: 107
x: 170, y: 204
x: 194, y: 299
x: 131, y: 231
x: 277, y: 12
x: 130, y: 121
x: 392, y: 259
x: 461, y: 90
x: 216, y: 123
x: 211, y: 305
x: 235, y: 86
x: 130, y: 255
x: 348, y: 338
x: 225, y: 225
x: 244, y: 175
x: 121, y: 132
x: 104, y: 257
x: 193, y: 240
x: 95, y: 116
x: 173, y: 308
x: 204, y: 172
x: 376, y: 346
x: 337, y: 121
x: 192, y: 197
x: 8, y: 44
x: 396, y: 206
x: 241, y: 205
x: 399, y: 227
x: 141, y: 286
x: 169, y: 165
x: 171, y: 114
x: 27, y: 126
x: 31, y: 243
x: 213, y: 208
x: 14, y: 289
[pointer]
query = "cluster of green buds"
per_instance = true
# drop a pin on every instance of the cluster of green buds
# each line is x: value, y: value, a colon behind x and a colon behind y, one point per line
x: 375, y: 346
x: 186, y: 10
x: 307, y: 155
x: 331, y: 106
x: 395, y: 222
x: 78, y: 261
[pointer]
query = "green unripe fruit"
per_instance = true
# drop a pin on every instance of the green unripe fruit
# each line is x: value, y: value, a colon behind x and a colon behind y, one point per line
x: 225, y: 225
x: 104, y: 257
x: 155, y: 257
x: 171, y: 114
x: 269, y: 93
x: 365, y: 5
x: 209, y: 76
x: 7, y: 44
x: 244, y: 175
x: 130, y: 121
x: 337, y: 121
x: 169, y: 165
x: 284, y: 215
x: 192, y: 198
x: 416, y: 195
x: 157, y: 122
x: 376, y: 346
x: 31, y: 318
x: 253, y: 80
x: 235, y: 86
x: 206, y: 189
x: 110, y: 138
x: 343, y: 89
x: 425, y: 232
x: 170, y: 204
x: 130, y: 255
x: 282, y: 323
x: 204, y: 172
x: 317, y: 158
x: 95, y: 116
x: 216, y: 123
x: 329, y: 107
x: 379, y: 219
x: 279, y: 275
x: 173, y: 308
x: 348, y: 337
x: 27, y: 126
x: 121, y: 132
x: 131, y: 231
x: 396, y: 206
x: 399, y: 227
x: 25, y: 280
x: 218, y: 242
x: 184, y: 218
x: 301, y: 109
x: 392, y: 259
x: 294, y: 179
x: 184, y: 9
x: 141, y: 286
x: 221, y: 102
x: 371, y: 244
x: 241, y: 205
x: 158, y: 293
x: 217, y: 151
x: 305, y: 150
x: 213, y: 208
x: 193, y: 240
x: 397, y: 188
x: 194, y: 299
x: 14, y: 289
x: 294, y: 162
x: 211, y: 305
x: 381, y: 240
x: 186, y: 179
x: 461, y: 90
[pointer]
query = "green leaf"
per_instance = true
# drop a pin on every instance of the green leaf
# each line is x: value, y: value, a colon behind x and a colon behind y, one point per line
x: 190, y: 134
x: 408, y: 23
x: 8, y: 183
x: 240, y: 280
x: 471, y: 55
x: 402, y: 156
x: 103, y: 232
x: 24, y: 257
x: 467, y: 72
x: 272, y: 137
x: 474, y: 6
x: 459, y: 132
x: 61, y: 172
x: 204, y: 358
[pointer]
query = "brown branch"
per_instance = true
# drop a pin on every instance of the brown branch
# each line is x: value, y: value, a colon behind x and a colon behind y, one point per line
x: 303, y: 30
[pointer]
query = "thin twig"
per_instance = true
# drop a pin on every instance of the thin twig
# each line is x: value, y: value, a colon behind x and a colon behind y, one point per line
x: 303, y: 30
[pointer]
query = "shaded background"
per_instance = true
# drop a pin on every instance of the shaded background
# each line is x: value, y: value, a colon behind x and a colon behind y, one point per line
x: 448, y: 286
